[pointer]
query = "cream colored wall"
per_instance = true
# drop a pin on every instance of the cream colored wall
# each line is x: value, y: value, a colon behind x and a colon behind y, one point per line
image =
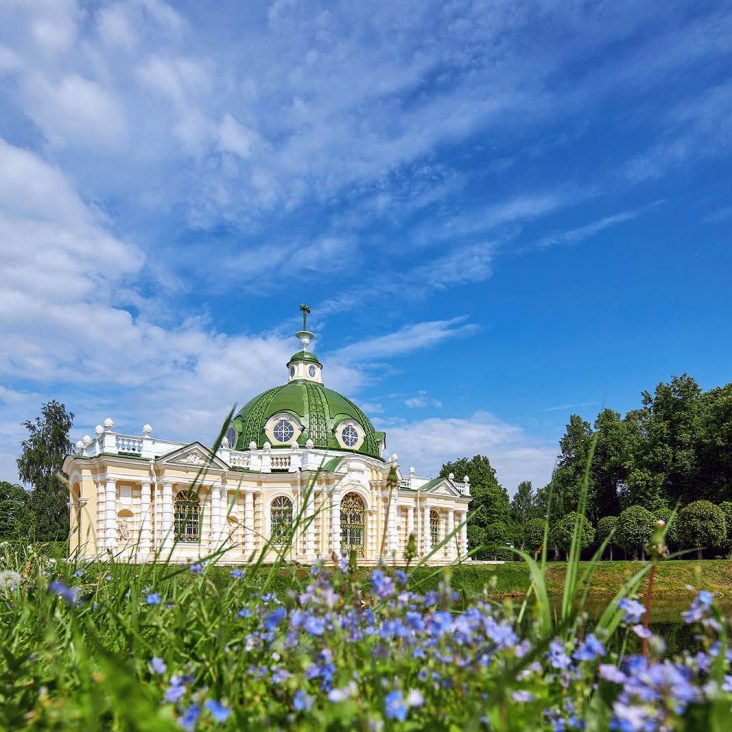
x: 130, y: 475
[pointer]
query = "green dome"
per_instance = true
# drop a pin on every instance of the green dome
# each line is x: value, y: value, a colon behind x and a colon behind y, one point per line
x: 304, y: 356
x: 320, y: 411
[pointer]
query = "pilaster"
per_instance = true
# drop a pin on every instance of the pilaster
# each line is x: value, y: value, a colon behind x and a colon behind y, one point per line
x: 110, y: 514
x: 167, y: 514
x: 145, y: 516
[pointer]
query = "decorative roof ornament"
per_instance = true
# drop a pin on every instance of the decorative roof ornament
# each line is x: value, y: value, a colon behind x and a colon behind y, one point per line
x: 304, y: 365
x: 305, y: 336
x: 305, y: 312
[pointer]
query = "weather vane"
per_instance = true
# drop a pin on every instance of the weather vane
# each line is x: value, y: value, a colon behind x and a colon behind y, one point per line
x: 305, y: 312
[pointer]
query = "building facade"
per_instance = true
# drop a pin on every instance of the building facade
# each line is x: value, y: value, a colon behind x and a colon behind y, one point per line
x: 301, y: 471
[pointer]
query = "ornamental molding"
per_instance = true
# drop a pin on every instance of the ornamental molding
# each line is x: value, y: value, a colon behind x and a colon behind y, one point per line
x: 195, y: 455
x: 445, y: 488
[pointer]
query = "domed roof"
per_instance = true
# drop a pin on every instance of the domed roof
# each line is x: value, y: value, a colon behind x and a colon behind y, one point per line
x: 318, y: 409
x: 320, y: 414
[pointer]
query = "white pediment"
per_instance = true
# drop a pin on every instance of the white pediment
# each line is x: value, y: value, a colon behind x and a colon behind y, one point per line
x: 444, y: 488
x: 194, y: 455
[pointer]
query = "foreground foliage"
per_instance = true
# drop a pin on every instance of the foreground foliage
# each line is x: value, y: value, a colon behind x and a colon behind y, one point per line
x: 162, y: 647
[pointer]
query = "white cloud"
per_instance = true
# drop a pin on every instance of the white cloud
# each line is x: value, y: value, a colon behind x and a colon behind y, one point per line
x: 421, y: 400
x: 429, y: 443
x: 572, y: 236
x: 75, y: 110
x: 236, y: 139
x: 406, y: 340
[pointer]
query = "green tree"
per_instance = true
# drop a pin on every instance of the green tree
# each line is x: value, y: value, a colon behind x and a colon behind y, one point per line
x: 702, y: 524
x: 13, y: 510
x: 614, y: 452
x: 534, y: 535
x: 476, y: 541
x: 605, y: 527
x: 39, y: 465
x: 726, y: 507
x: 672, y: 526
x: 644, y: 488
x: 714, y: 444
x: 496, y: 539
x: 672, y: 421
x: 522, y: 504
x: 490, y: 502
x: 569, y: 473
x: 634, y: 529
x: 563, y: 532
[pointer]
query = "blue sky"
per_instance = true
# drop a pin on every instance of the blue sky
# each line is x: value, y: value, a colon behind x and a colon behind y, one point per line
x: 500, y: 213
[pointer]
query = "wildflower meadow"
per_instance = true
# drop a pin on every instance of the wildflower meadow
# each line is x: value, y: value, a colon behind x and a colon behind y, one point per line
x: 161, y: 647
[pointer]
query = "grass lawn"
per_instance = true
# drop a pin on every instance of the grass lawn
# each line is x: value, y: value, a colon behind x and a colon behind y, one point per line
x: 675, y: 580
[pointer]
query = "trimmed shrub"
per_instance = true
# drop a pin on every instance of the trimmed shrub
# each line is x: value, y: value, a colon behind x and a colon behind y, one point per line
x: 563, y: 530
x: 634, y: 529
x: 726, y: 507
x: 702, y: 525
x: 605, y: 526
x: 672, y: 531
x: 534, y: 535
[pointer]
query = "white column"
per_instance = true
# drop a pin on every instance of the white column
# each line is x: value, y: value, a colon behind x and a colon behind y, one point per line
x: 110, y: 514
x: 309, y: 512
x: 223, y: 515
x: 452, y: 544
x: 144, y: 539
x: 426, y: 530
x: 215, y: 523
x: 157, y: 516
x: 166, y: 527
x: 248, y: 523
x: 99, y: 528
x: 464, y: 534
x: 335, y: 524
x: 392, y: 524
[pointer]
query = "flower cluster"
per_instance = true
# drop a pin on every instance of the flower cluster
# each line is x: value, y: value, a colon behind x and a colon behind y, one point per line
x: 396, y: 655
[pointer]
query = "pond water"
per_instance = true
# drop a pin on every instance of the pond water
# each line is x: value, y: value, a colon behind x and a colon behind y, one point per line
x: 666, y: 622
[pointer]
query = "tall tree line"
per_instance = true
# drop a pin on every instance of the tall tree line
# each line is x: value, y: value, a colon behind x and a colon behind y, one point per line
x: 39, y: 512
x: 673, y: 450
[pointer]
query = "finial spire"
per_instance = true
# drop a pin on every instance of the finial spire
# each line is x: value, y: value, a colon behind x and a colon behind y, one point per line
x: 305, y: 312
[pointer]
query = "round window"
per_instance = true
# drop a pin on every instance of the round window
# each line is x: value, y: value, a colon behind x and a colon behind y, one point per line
x: 311, y: 372
x: 349, y: 436
x: 283, y: 431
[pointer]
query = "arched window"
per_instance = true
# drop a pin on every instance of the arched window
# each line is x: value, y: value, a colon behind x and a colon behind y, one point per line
x: 434, y: 528
x: 280, y: 519
x: 187, y: 517
x: 353, y: 524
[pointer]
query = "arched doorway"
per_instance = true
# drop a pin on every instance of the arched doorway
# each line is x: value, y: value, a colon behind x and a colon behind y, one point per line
x: 353, y: 524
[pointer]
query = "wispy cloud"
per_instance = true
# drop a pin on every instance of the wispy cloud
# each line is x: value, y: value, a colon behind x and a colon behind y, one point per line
x: 573, y: 236
x: 567, y: 407
x: 406, y: 340
x: 428, y: 443
x: 422, y: 400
